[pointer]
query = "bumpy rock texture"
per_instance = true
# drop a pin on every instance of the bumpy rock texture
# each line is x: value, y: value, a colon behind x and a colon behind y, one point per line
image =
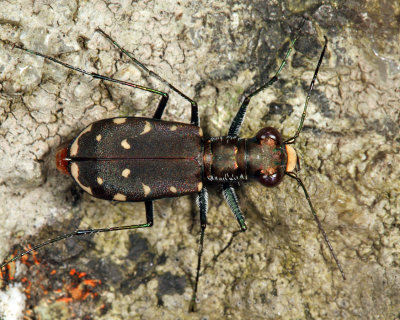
x: 214, y: 51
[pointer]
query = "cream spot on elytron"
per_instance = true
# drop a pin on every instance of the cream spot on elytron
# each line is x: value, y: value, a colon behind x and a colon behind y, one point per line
x: 125, y: 144
x: 74, y: 171
x: 126, y: 173
x: 74, y: 147
x: 147, y: 127
x: 119, y: 120
x: 75, y: 175
x: 100, y: 180
x: 119, y: 197
x: 172, y: 189
x: 146, y: 190
x: 200, y: 132
x: 199, y: 186
x: 173, y: 128
x: 98, y: 137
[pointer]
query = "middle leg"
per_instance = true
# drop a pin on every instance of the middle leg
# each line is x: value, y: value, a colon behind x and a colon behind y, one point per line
x: 203, y: 206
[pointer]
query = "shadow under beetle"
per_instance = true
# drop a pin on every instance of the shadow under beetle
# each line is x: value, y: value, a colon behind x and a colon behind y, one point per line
x: 144, y: 159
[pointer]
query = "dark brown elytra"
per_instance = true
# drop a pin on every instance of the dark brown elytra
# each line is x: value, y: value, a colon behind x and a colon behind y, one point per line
x: 143, y: 159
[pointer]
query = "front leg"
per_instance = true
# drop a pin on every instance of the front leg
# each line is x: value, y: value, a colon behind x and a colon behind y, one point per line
x: 238, y: 119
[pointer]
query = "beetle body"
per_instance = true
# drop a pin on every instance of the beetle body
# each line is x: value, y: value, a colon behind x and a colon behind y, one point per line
x: 139, y: 159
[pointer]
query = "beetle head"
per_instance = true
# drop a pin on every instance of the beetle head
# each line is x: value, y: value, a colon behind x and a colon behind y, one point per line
x: 272, y: 158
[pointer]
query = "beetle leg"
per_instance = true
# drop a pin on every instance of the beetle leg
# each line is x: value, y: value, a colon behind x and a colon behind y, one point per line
x: 231, y: 198
x: 239, y: 117
x: 164, y: 96
x: 233, y: 203
x: 202, y: 202
x: 195, y: 115
x: 149, y: 223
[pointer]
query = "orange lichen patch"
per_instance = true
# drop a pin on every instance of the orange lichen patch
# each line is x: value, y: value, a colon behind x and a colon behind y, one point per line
x: 81, y: 274
x: 291, y: 158
x: 24, y: 259
x: 27, y: 289
x: 79, y: 288
x: 76, y: 292
x: 44, y: 281
x: 87, y: 294
x: 64, y: 299
x: 9, y: 272
x: 91, y: 282
x: 81, y: 292
x: 34, y: 255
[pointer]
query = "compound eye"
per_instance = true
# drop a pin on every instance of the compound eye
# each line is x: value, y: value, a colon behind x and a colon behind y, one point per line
x: 269, y: 133
x: 271, y: 179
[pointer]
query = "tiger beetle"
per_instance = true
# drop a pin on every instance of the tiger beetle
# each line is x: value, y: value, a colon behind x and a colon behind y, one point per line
x: 144, y: 159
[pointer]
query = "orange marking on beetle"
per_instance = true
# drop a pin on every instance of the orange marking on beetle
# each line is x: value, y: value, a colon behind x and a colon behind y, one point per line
x: 147, y: 128
x: 125, y: 144
x: 126, y: 173
x: 75, y: 147
x: 119, y: 120
x: 62, y: 160
x: 269, y: 171
x: 119, y: 197
x: 291, y: 158
x: 269, y: 142
x: 146, y: 189
x: 75, y: 175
